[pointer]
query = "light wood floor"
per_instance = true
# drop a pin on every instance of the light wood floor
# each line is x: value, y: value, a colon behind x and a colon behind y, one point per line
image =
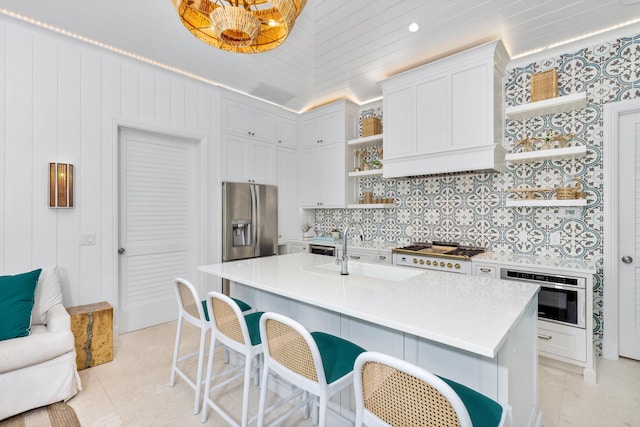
x: 133, y: 389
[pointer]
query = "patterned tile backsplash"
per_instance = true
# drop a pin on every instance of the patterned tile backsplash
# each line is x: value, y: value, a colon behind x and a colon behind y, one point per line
x: 471, y: 208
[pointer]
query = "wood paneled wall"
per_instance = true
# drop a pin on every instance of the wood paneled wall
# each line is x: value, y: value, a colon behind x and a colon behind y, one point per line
x: 63, y: 100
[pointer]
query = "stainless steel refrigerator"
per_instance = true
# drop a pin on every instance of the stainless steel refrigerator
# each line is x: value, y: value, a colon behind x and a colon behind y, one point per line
x: 249, y: 221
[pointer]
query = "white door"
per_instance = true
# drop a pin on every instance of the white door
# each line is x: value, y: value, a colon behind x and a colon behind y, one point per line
x: 629, y: 234
x: 157, y: 225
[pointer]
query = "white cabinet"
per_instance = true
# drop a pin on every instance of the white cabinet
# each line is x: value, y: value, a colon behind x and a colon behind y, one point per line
x: 322, y: 171
x: 485, y: 271
x: 325, y: 128
x: 292, y: 248
x: 562, y: 342
x: 248, y: 160
x: 288, y: 212
x: 446, y: 116
x: 244, y: 117
x: 287, y: 131
x: 322, y: 177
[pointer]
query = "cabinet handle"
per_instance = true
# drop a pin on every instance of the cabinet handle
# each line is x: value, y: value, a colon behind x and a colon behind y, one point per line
x: 485, y: 270
x: 354, y: 257
x: 545, y: 337
x: 382, y: 257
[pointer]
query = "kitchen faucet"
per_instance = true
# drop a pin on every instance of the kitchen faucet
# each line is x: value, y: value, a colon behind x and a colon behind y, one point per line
x: 345, y: 257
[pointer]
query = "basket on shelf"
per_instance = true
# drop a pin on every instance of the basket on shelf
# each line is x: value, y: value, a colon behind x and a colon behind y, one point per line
x: 544, y: 85
x: 371, y: 126
x: 569, y: 192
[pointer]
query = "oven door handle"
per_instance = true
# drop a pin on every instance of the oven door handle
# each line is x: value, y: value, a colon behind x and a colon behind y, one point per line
x: 545, y: 337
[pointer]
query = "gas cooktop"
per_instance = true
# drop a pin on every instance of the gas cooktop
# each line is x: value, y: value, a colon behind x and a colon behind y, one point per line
x: 441, y: 249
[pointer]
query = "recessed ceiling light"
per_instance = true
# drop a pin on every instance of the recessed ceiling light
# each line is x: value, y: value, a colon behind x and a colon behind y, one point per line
x: 414, y: 27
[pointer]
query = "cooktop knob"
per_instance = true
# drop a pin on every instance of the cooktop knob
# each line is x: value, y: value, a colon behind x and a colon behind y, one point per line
x: 457, y: 266
x: 415, y: 261
x: 421, y: 262
x: 428, y: 262
x: 449, y: 265
x: 441, y: 263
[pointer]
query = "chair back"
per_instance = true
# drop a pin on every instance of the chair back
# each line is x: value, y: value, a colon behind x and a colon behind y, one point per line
x: 189, y: 303
x: 401, y: 394
x: 228, y: 322
x: 291, y: 346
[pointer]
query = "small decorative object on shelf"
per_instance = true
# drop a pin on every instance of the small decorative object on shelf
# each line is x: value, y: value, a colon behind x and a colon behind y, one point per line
x: 532, y: 193
x: 544, y: 85
x: 562, y: 139
x: 335, y: 233
x: 547, y: 144
x: 527, y: 143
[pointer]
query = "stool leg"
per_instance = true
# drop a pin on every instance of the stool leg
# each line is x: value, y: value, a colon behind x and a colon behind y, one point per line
x: 245, y: 390
x: 176, y: 349
x: 323, y: 411
x: 196, y: 406
x: 208, y: 379
x: 263, y: 395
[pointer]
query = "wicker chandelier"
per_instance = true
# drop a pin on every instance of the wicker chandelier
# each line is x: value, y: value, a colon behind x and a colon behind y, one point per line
x: 242, y: 26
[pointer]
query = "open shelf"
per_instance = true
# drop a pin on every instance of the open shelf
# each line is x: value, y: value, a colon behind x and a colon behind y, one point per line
x: 371, y: 206
x: 545, y: 202
x: 366, y: 141
x: 370, y: 172
x: 555, y: 105
x: 554, y: 153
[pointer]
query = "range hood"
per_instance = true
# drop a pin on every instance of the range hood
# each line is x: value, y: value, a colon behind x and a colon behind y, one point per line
x: 446, y: 116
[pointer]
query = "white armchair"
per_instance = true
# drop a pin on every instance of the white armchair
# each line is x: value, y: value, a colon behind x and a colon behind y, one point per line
x: 40, y: 369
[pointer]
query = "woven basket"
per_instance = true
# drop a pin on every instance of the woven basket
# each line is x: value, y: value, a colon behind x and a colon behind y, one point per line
x: 370, y: 126
x: 544, y: 85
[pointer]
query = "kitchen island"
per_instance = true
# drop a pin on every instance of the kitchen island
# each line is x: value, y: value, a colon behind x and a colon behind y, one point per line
x: 479, y: 331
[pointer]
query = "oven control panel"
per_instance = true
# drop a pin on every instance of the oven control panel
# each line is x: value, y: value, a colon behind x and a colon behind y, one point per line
x: 432, y: 263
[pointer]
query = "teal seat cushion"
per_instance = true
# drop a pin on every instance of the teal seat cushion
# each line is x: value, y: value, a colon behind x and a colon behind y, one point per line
x: 484, y: 412
x: 253, y: 325
x: 16, y: 302
x: 338, y: 355
x: 243, y: 306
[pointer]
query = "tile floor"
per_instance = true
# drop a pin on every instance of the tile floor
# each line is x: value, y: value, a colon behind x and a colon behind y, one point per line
x: 133, y: 389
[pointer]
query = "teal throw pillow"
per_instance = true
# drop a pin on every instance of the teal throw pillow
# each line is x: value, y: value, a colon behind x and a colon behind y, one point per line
x: 16, y: 302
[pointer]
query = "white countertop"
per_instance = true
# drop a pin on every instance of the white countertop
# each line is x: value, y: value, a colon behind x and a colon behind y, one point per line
x: 566, y: 265
x: 471, y: 313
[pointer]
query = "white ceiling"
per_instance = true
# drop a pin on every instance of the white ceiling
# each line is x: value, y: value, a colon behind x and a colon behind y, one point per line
x: 338, y: 48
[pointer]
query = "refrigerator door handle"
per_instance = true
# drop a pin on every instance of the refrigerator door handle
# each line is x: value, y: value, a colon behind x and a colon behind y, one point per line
x: 255, y: 219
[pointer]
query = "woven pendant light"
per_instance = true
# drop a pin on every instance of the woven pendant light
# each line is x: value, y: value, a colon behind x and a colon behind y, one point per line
x: 242, y: 26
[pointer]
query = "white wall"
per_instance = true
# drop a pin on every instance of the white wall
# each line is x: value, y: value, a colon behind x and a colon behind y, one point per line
x: 63, y: 101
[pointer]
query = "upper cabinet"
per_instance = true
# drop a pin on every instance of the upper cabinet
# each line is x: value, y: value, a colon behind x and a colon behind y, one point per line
x: 446, y: 116
x: 287, y: 130
x: 317, y: 129
x: 322, y: 167
x: 246, y: 118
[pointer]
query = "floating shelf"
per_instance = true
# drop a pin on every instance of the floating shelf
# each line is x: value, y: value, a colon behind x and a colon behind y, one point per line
x: 371, y: 172
x: 371, y: 206
x: 556, y: 105
x: 367, y: 141
x: 544, y: 202
x: 554, y: 153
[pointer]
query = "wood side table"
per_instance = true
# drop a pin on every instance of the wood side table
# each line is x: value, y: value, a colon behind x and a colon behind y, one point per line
x: 92, y: 327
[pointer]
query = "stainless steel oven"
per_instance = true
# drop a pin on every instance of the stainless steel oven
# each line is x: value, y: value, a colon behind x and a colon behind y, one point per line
x: 561, y: 298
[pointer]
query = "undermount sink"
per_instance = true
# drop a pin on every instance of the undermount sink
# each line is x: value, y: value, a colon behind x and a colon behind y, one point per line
x: 375, y: 271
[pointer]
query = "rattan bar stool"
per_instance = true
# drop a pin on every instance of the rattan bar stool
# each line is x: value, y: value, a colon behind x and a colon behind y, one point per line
x: 238, y: 332
x: 320, y: 364
x: 192, y: 310
x: 392, y: 392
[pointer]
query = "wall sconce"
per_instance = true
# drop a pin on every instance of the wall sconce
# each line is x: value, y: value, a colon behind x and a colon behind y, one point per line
x: 60, y: 185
